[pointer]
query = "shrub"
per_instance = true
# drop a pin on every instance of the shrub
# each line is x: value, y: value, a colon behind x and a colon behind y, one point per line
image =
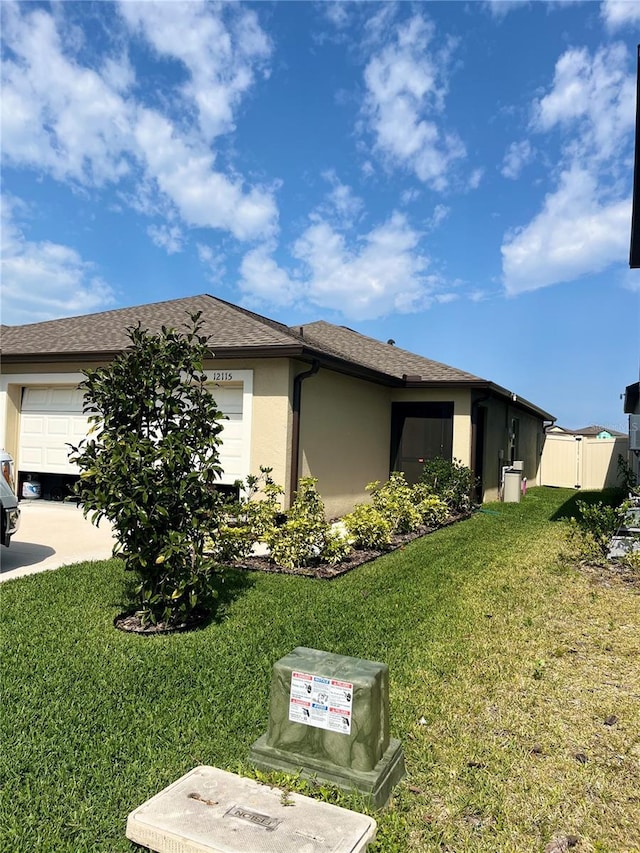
x: 433, y: 510
x: 305, y: 536
x: 338, y: 545
x: 151, y: 463
x: 600, y: 521
x: 589, y: 534
x: 394, y: 501
x: 247, y: 519
x: 368, y: 528
x: 451, y: 481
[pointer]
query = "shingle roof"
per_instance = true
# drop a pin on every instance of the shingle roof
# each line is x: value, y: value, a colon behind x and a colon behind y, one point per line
x: 235, y: 332
x: 594, y: 429
x: 368, y: 352
x: 228, y: 326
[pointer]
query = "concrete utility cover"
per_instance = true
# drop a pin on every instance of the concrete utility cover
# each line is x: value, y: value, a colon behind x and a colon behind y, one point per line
x: 212, y: 811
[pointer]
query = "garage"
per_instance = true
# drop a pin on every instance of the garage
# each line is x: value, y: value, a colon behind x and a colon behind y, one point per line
x: 51, y: 418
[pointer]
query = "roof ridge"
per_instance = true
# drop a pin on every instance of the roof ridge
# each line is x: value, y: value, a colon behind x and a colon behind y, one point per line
x: 267, y: 321
x: 109, y: 311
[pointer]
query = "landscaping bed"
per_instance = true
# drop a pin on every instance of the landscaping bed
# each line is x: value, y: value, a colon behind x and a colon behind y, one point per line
x: 357, y: 557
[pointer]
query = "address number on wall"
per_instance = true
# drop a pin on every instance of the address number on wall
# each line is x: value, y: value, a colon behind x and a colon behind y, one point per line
x: 221, y: 375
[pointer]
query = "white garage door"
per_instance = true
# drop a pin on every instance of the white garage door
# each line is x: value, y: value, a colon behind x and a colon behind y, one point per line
x: 233, y: 453
x: 52, y: 417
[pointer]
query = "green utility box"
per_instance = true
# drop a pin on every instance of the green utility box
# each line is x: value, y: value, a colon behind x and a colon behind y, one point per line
x: 329, y: 719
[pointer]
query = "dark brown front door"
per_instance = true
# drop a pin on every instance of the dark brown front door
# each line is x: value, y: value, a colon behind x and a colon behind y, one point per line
x: 420, y: 431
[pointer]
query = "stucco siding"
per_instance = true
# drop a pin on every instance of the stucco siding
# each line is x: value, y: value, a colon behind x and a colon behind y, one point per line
x: 344, y: 437
x: 500, y: 416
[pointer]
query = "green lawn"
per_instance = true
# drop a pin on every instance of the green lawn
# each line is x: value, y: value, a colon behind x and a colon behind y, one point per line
x: 504, y: 667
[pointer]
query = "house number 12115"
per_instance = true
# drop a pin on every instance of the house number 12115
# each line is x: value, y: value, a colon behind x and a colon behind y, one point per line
x: 222, y: 376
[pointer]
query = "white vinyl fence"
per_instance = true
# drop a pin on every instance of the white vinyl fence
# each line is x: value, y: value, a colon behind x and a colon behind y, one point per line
x: 580, y: 462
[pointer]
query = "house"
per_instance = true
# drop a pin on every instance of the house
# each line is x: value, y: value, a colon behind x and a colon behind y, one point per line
x: 315, y: 400
x: 592, y: 431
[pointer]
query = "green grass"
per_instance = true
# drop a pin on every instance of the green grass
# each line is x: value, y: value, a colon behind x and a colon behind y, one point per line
x: 503, y: 666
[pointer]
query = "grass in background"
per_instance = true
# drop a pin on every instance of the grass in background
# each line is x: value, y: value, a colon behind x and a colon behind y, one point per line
x: 504, y: 668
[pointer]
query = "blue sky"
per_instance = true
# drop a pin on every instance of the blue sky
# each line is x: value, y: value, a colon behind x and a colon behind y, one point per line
x: 456, y: 176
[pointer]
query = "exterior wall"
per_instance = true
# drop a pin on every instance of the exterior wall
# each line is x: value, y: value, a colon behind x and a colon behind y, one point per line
x: 461, y: 399
x: 345, y: 435
x: 269, y: 415
x: 271, y: 425
x: 497, y: 448
x: 582, y: 462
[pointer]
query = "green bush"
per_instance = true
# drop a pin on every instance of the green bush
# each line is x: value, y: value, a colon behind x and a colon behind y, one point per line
x: 433, y: 510
x: 258, y: 514
x: 589, y: 533
x: 451, y: 481
x: 246, y: 521
x: 600, y: 521
x: 394, y: 501
x: 305, y: 537
x: 150, y: 466
x: 368, y: 528
x: 338, y: 545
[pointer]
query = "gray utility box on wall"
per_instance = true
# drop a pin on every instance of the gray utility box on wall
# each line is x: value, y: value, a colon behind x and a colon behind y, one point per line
x: 329, y: 718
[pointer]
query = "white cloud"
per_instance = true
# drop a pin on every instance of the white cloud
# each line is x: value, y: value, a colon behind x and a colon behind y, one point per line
x: 575, y: 234
x: 44, y: 280
x: 593, y: 96
x: 440, y: 213
x: 341, y: 202
x: 620, y: 13
x: 167, y: 237
x: 220, y: 45
x: 82, y: 125
x: 57, y: 115
x: 205, y: 198
x: 500, y: 8
x: 263, y: 280
x: 338, y: 13
x: 381, y: 273
x: 406, y: 88
x: 213, y: 263
x: 583, y: 226
x: 518, y: 155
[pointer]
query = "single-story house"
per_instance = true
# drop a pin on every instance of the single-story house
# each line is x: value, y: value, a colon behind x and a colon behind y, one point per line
x: 593, y: 431
x: 314, y: 400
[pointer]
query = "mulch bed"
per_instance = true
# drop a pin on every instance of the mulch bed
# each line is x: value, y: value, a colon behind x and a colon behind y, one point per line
x: 613, y: 573
x: 324, y: 571
x: 132, y: 624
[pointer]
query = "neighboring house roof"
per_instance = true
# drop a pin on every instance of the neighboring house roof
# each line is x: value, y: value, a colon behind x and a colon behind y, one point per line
x: 236, y: 332
x: 592, y: 430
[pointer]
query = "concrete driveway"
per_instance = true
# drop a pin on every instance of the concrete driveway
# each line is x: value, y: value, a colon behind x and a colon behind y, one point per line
x: 51, y: 535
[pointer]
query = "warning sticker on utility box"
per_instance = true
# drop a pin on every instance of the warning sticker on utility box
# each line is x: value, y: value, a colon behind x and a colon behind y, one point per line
x: 321, y: 702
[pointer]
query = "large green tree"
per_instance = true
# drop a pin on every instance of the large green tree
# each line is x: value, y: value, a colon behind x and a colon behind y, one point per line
x: 150, y: 465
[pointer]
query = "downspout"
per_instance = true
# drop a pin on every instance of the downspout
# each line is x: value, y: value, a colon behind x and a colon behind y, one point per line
x: 295, y: 426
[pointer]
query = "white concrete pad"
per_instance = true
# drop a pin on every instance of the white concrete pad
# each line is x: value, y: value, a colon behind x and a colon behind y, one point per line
x: 212, y: 811
x: 50, y: 535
